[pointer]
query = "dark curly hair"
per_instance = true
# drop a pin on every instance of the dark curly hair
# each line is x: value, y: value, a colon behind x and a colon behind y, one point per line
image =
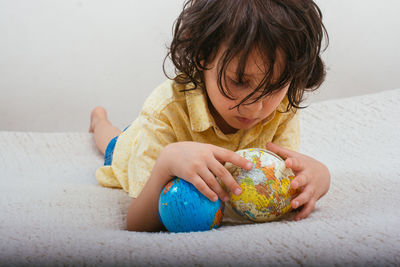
x: 291, y: 27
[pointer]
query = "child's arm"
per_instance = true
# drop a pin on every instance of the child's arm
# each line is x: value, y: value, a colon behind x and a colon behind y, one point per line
x: 198, y: 164
x: 312, y: 177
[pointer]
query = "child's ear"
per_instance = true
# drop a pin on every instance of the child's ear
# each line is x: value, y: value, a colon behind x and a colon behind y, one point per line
x: 187, y: 35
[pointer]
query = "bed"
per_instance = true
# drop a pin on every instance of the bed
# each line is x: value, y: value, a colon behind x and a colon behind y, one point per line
x: 53, y: 212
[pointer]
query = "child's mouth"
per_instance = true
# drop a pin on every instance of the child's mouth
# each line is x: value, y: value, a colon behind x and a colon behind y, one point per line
x: 245, y: 120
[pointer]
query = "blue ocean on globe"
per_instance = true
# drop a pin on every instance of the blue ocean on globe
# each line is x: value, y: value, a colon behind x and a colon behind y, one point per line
x: 182, y: 208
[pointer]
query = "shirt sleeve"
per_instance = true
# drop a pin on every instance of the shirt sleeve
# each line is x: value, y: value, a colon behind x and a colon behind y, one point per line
x: 288, y: 132
x: 135, y: 153
x: 154, y: 134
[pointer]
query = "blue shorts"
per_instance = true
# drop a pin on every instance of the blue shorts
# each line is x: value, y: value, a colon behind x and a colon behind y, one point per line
x: 108, y: 155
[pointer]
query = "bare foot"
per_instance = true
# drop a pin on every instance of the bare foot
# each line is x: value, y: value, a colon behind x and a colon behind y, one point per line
x: 97, y: 114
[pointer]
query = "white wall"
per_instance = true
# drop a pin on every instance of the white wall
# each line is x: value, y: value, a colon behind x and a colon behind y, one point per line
x: 364, y: 52
x: 59, y: 58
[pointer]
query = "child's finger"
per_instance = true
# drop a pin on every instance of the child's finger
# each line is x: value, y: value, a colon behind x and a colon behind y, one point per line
x: 226, y: 177
x: 299, y: 181
x: 301, y: 199
x: 280, y: 151
x: 295, y: 164
x: 201, y: 185
x: 224, y: 155
x: 210, y: 180
x: 306, y: 210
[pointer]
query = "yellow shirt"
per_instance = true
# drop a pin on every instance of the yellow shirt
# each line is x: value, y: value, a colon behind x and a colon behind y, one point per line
x: 168, y: 116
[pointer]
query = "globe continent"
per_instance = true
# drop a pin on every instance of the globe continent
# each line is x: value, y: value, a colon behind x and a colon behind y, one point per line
x: 266, y: 192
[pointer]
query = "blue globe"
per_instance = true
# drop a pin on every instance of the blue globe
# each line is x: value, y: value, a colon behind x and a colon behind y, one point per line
x: 182, y: 208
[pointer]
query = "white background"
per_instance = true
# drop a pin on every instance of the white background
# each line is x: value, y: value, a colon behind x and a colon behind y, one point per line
x: 60, y: 58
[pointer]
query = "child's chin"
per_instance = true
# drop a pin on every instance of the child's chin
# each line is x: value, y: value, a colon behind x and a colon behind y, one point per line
x: 244, y: 127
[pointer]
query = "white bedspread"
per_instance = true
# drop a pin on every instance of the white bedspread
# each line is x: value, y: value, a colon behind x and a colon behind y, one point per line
x: 52, y: 211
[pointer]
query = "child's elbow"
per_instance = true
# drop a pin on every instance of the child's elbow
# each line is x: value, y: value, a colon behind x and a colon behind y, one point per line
x: 142, y: 219
x: 134, y: 225
x: 129, y: 225
x: 141, y: 227
x: 132, y: 222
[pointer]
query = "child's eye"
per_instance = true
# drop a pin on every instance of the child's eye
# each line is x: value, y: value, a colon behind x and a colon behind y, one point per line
x: 238, y: 84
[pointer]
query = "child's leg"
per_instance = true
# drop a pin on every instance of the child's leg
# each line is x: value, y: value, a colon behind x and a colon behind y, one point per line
x: 102, y: 129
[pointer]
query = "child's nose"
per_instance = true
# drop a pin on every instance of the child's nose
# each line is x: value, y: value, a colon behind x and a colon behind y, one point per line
x: 256, y: 106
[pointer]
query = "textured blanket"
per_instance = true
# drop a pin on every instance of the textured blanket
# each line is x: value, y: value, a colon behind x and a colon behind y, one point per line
x: 53, y: 212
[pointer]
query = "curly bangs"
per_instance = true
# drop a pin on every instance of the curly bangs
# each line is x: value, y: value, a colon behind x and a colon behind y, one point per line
x: 292, y: 28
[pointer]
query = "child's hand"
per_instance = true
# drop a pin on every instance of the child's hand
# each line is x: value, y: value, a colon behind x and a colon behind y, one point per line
x: 200, y: 163
x: 312, y: 177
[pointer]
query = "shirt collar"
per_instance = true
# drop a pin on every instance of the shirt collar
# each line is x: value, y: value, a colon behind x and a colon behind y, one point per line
x: 200, y: 116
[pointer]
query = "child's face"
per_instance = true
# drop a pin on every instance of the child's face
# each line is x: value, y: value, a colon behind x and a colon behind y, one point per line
x: 247, y: 116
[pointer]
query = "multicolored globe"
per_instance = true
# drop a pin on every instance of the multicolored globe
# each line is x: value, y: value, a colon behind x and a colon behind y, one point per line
x: 266, y: 192
x: 182, y: 208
